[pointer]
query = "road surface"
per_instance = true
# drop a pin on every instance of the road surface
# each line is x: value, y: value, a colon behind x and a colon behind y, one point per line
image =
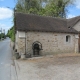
x: 5, y: 60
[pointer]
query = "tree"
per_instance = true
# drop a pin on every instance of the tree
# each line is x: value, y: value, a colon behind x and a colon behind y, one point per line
x: 55, y: 8
x: 28, y: 6
x: 2, y: 35
x: 11, y: 33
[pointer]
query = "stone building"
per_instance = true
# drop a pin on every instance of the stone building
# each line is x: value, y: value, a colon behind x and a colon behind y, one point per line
x: 53, y: 35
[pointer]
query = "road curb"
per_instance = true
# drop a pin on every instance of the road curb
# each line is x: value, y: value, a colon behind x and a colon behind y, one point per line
x: 17, y: 69
x: 13, y: 73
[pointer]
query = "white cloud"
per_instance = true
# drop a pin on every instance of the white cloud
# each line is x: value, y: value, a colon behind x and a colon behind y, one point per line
x: 70, y: 16
x: 77, y: 3
x: 5, y: 13
x: 3, y: 26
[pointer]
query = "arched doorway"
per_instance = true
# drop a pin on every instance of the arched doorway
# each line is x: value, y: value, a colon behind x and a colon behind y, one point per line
x: 36, y: 46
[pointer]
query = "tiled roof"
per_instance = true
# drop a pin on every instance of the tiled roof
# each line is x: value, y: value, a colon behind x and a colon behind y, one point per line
x: 71, y: 22
x: 29, y: 22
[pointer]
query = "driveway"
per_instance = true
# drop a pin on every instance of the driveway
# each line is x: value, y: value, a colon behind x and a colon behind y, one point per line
x: 49, y: 68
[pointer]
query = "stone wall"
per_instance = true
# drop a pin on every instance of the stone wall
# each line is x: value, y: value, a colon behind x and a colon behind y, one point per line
x: 21, y: 45
x: 20, y: 42
x: 16, y: 40
x: 52, y: 42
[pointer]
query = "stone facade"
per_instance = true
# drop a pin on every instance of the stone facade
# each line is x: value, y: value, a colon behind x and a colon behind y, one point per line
x: 20, y: 42
x: 52, y: 43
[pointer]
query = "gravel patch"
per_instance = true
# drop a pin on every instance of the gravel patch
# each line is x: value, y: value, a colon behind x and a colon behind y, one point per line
x: 57, y: 68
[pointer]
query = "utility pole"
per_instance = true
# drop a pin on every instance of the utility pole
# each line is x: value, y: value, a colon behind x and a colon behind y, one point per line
x: 4, y: 33
x: 0, y: 33
x: 14, y: 10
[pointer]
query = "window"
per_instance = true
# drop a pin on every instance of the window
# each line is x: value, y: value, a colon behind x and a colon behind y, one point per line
x: 68, y: 38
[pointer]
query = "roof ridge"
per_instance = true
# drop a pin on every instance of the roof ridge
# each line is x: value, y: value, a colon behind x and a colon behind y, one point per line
x: 74, y: 17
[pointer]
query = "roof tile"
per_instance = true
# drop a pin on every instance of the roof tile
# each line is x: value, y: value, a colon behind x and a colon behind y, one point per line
x: 29, y: 22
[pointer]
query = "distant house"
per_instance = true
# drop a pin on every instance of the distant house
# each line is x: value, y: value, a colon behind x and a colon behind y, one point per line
x: 41, y: 35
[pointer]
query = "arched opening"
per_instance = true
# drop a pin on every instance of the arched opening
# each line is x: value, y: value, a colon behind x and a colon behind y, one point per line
x: 36, y: 46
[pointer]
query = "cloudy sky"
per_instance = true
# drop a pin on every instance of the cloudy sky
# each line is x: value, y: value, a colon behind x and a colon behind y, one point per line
x: 74, y: 10
x: 6, y: 12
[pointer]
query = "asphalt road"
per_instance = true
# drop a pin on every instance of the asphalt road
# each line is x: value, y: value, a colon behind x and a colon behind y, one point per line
x: 5, y: 60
